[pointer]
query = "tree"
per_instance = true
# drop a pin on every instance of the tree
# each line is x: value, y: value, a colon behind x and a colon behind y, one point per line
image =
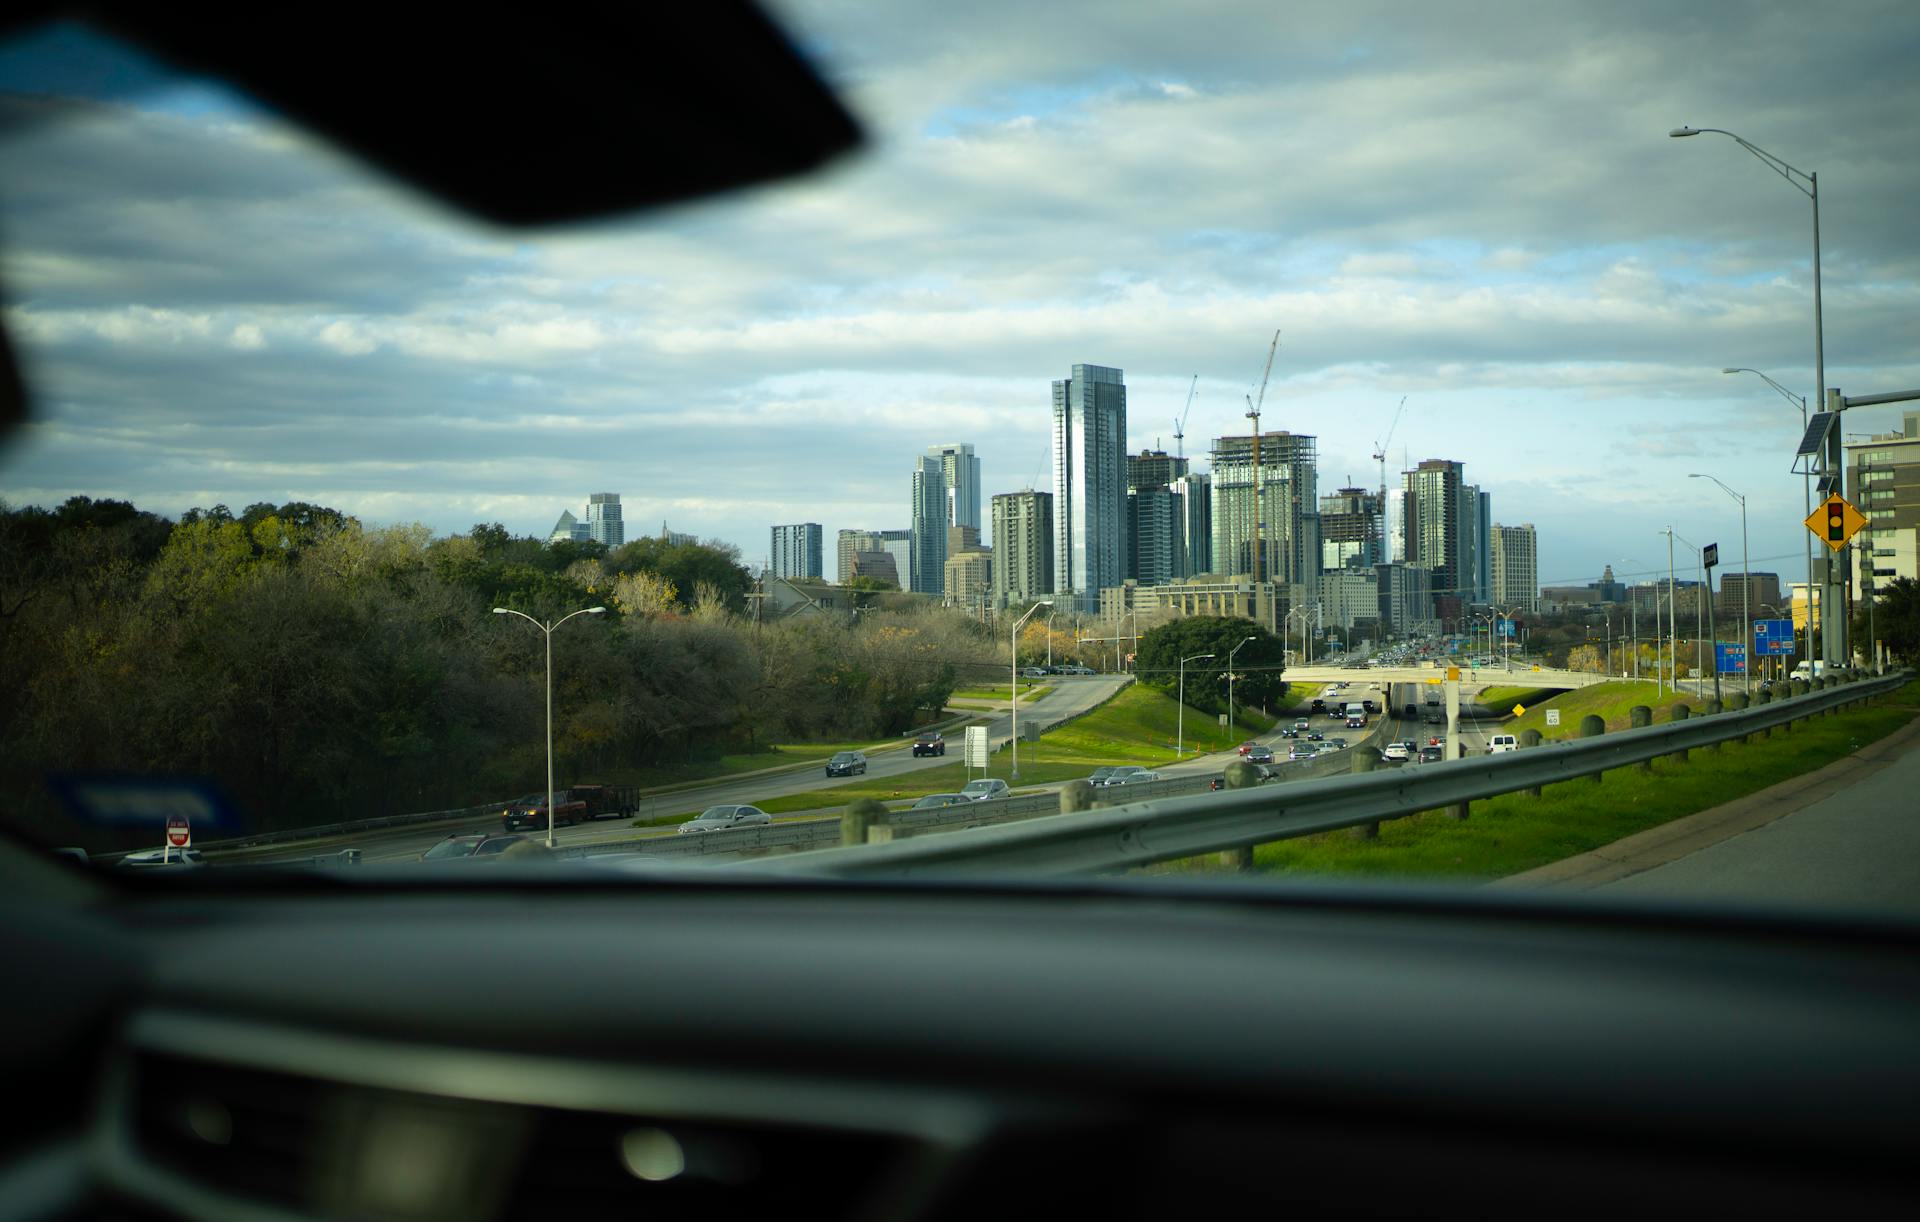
x: 1257, y: 666
x: 1895, y: 620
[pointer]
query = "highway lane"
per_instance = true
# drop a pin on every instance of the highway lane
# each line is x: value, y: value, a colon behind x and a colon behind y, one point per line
x: 1070, y: 695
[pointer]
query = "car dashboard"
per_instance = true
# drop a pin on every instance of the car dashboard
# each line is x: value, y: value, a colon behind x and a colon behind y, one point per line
x: 537, y: 1046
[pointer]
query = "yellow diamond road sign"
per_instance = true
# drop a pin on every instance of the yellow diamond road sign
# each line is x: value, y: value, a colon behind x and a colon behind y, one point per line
x: 1518, y: 709
x: 1835, y: 522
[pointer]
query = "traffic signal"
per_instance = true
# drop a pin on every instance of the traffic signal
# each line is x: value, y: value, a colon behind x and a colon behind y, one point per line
x: 1836, y: 522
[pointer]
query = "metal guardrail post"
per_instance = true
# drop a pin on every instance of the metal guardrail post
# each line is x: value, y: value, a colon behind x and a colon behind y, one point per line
x: 1365, y: 759
x: 1530, y: 739
x: 1593, y: 726
x: 1713, y: 708
x: 1736, y: 701
x: 1679, y: 712
x: 858, y: 819
x: 1637, y: 716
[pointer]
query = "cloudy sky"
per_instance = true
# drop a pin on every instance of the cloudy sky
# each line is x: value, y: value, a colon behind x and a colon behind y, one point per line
x: 1475, y: 207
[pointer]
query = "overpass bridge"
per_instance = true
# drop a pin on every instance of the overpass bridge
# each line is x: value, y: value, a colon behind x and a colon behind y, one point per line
x: 1490, y: 676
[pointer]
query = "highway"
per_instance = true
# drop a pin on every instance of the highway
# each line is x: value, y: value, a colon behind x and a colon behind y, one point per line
x: 1069, y: 695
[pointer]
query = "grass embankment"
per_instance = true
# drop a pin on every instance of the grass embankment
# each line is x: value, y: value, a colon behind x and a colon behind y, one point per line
x: 1513, y: 833
x: 1137, y: 726
x: 1613, y: 702
x: 1028, y: 691
x: 1504, y: 698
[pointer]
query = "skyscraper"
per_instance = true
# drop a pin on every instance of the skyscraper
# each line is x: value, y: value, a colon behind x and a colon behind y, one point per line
x: 896, y: 543
x: 797, y: 551
x: 1089, y: 484
x: 568, y: 529
x: 1432, y: 509
x: 1156, y: 518
x: 1515, y: 563
x: 1476, y: 545
x: 961, y: 471
x: 1288, y: 500
x: 1194, y: 494
x: 929, y: 525
x: 1023, y: 538
x: 603, y: 519
x: 1352, y: 529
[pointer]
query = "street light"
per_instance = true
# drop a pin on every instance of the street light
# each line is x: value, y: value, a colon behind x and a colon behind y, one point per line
x: 1808, y: 184
x: 1230, y: 653
x: 1180, y: 717
x: 1806, y: 495
x: 1013, y: 684
x: 547, y: 631
x: 1746, y: 584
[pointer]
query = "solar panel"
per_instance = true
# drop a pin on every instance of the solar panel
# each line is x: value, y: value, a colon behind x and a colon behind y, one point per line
x: 1827, y: 485
x: 1816, y: 435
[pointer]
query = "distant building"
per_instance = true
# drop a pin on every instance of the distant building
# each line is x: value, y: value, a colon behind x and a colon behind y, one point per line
x: 1437, y: 534
x: 1806, y: 605
x: 928, y: 508
x: 1089, y: 484
x: 1650, y: 597
x: 877, y: 565
x: 1156, y: 518
x: 960, y: 475
x: 1884, y: 473
x: 603, y: 519
x: 969, y: 579
x: 1350, y: 596
x: 787, y: 596
x: 1515, y: 567
x: 1406, y: 597
x: 1733, y: 586
x: 1023, y: 537
x: 568, y: 529
x: 962, y: 539
x: 896, y: 543
x: 1193, y: 493
x: 797, y: 551
x: 1352, y: 529
x: 1131, y: 603
x: 677, y: 538
x: 1288, y: 502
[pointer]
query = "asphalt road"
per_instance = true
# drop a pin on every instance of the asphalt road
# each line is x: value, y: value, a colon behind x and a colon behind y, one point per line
x: 1069, y: 695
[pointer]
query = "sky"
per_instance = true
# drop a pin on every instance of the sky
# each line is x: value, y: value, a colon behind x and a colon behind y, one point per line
x: 1474, y: 208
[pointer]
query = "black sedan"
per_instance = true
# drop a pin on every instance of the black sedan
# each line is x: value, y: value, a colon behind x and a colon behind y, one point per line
x: 1260, y: 754
x: 930, y: 743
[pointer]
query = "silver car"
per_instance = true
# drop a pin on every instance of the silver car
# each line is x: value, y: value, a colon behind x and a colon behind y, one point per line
x: 1119, y: 775
x: 984, y: 790
x: 1141, y: 776
x: 721, y: 818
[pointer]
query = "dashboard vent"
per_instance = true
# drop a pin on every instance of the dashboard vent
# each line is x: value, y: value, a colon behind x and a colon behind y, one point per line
x: 350, y: 1151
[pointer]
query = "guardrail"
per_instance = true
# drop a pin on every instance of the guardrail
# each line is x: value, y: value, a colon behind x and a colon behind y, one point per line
x: 1170, y: 828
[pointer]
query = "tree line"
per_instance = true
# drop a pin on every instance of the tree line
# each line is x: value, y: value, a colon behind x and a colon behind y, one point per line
x: 321, y: 670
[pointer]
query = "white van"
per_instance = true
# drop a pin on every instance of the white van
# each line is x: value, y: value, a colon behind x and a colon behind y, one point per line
x: 1502, y: 742
x: 1819, y: 670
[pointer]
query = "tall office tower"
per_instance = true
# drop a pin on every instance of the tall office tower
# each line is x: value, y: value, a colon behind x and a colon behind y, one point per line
x: 1023, y: 545
x: 1435, y: 538
x: 603, y: 519
x: 1089, y: 484
x: 1352, y: 529
x: 1194, y: 493
x: 797, y: 551
x: 1476, y: 545
x: 929, y: 508
x: 1515, y: 567
x: 849, y: 542
x: 1396, y: 508
x: 961, y: 471
x: 899, y: 545
x: 568, y: 529
x: 969, y: 579
x: 1288, y: 500
x: 1156, y: 518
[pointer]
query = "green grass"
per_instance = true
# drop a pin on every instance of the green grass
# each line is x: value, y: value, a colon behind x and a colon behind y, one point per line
x: 1612, y: 701
x: 1504, y: 698
x: 1027, y: 692
x: 1515, y: 832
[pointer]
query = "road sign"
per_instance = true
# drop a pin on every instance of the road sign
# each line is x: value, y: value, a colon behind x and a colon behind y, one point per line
x: 1506, y: 627
x: 1453, y: 672
x: 1729, y: 659
x: 179, y: 834
x: 1518, y: 709
x: 1835, y: 522
x: 976, y: 752
x: 1709, y: 555
x: 1773, y: 637
x: 1553, y: 717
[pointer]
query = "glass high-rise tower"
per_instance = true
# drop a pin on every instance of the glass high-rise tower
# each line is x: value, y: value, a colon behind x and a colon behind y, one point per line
x: 1089, y: 484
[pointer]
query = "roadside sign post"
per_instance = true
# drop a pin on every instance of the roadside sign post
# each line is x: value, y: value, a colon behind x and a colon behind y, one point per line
x: 975, y: 753
x: 179, y: 836
x: 1553, y: 717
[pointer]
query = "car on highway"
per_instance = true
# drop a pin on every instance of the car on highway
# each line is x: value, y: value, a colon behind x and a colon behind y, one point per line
x: 1289, y: 732
x: 1355, y: 722
x: 984, y: 790
x: 160, y: 858
x: 1315, y: 736
x: 1122, y: 773
x: 1500, y: 744
x: 930, y: 743
x: 1034, y: 672
x: 1259, y: 754
x: 1397, y: 752
x: 1302, y: 751
x: 1247, y: 746
x: 1336, y: 742
x: 1433, y: 717
x: 1371, y: 705
x: 1301, y: 723
x: 1432, y: 753
x: 933, y: 801
x: 1134, y: 778
x: 1074, y: 670
x: 1099, y: 775
x: 847, y: 763
x: 722, y: 818
x: 467, y: 848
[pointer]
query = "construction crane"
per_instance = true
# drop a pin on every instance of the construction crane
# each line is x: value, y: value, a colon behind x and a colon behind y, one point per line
x: 1180, y: 425
x: 1259, y: 501
x: 1380, y: 456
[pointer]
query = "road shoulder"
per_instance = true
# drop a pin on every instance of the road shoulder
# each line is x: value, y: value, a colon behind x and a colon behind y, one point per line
x: 1670, y: 842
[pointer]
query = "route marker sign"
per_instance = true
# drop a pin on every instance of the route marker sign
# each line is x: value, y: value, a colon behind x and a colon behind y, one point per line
x: 1553, y: 717
x: 1835, y: 522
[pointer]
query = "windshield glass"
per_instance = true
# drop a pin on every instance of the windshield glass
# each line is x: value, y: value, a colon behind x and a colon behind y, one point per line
x: 451, y: 848
x: 1109, y: 410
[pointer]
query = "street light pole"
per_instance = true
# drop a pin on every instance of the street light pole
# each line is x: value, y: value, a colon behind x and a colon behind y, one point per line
x: 1746, y: 584
x: 1832, y: 627
x: 1806, y: 500
x: 1230, y: 653
x: 547, y: 631
x: 1013, y: 685
x: 1180, y: 715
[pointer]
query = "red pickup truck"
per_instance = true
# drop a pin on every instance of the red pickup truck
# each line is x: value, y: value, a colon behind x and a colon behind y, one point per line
x: 578, y: 804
